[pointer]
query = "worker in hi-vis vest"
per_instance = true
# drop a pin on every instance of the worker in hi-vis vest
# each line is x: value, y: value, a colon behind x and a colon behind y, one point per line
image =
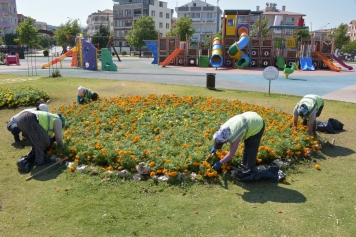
x: 247, y: 127
x: 308, y: 108
x: 39, y: 127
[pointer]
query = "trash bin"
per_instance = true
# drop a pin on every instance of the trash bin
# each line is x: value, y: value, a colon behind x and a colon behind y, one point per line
x: 210, y: 81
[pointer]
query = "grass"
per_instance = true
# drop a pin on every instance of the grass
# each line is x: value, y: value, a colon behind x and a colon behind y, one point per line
x: 312, y: 203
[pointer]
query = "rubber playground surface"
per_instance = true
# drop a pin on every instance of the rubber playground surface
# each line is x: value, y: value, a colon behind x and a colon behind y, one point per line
x: 330, y: 85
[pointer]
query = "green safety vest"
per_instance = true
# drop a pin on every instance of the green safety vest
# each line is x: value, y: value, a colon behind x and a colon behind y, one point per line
x: 46, y: 121
x: 249, y: 123
x: 313, y: 102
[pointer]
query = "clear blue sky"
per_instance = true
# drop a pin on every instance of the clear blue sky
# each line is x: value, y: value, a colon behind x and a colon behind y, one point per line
x: 318, y: 12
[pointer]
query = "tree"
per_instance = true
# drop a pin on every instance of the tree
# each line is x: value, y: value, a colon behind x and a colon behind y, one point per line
x: 206, y: 42
x: 44, y: 41
x: 256, y: 28
x: 340, y: 36
x: 10, y: 39
x: 302, y: 34
x: 71, y: 29
x: 142, y: 29
x: 27, y: 33
x: 349, y: 47
x: 104, y: 37
x: 183, y: 28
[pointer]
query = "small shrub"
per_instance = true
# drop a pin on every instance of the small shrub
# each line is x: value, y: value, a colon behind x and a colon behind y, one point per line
x: 123, y: 53
x: 56, y: 73
x: 45, y: 52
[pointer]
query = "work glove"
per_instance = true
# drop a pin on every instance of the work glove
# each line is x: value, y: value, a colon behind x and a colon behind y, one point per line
x: 213, y: 151
x: 217, y: 165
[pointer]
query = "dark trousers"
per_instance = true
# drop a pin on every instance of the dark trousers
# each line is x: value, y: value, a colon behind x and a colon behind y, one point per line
x: 305, y: 122
x: 15, y: 131
x: 251, y: 146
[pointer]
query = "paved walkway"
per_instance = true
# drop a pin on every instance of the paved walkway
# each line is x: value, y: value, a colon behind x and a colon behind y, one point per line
x: 331, y: 85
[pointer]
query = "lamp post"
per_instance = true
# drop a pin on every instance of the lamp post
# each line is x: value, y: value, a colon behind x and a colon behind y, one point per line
x: 322, y: 28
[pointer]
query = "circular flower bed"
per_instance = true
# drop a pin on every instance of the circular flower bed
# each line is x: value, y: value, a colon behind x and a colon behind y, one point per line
x: 170, y: 134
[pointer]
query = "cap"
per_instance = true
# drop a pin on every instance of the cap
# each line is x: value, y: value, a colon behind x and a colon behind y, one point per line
x: 221, y: 137
x: 63, y: 120
x: 303, y: 110
x: 43, y: 107
x: 81, y: 89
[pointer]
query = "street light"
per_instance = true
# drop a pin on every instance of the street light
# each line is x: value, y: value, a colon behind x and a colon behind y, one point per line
x: 322, y: 28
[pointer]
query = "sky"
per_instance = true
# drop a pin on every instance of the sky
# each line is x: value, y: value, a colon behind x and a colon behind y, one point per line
x: 320, y: 14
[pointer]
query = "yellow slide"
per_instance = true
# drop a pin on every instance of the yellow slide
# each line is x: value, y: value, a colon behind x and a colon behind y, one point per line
x: 56, y: 60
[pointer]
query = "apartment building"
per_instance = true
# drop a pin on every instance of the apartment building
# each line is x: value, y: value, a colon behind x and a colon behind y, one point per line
x: 98, y: 18
x: 8, y: 16
x: 128, y: 11
x: 352, y: 30
x: 280, y: 17
x: 206, y: 18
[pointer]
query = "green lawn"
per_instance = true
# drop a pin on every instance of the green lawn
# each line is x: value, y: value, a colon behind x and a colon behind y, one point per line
x: 60, y: 203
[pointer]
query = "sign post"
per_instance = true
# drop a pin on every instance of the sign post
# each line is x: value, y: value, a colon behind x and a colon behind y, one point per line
x: 270, y: 73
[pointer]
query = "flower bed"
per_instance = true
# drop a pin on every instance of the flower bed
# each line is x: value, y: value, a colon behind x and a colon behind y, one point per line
x: 22, y: 96
x: 170, y: 134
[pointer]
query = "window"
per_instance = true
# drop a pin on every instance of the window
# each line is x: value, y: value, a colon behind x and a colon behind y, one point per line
x: 161, y: 4
x: 153, y: 13
x: 167, y: 25
x: 137, y: 12
x: 161, y: 14
x: 194, y: 4
x: 230, y: 22
x: 127, y: 12
x: 119, y: 23
x: 160, y: 25
x: 167, y: 15
x: 128, y: 23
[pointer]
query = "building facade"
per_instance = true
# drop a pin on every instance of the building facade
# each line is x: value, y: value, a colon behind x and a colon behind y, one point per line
x: 128, y: 11
x: 8, y: 16
x: 352, y: 30
x: 277, y: 17
x: 98, y: 18
x: 206, y: 18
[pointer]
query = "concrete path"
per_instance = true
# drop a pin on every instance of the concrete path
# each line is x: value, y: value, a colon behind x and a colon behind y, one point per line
x: 331, y: 85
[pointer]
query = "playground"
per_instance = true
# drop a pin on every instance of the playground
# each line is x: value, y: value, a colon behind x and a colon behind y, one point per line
x: 330, y: 85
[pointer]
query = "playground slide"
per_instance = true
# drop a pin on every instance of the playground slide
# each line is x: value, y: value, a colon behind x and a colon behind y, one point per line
x: 327, y: 61
x: 171, y: 57
x: 306, y: 64
x: 216, y: 59
x: 56, y: 60
x: 342, y: 63
x: 235, y: 51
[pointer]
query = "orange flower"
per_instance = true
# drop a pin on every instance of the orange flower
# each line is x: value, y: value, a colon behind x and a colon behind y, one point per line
x: 317, y: 167
x: 71, y: 168
x: 152, y: 164
x: 152, y: 174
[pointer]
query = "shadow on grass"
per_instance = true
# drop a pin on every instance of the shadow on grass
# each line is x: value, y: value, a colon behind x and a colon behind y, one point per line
x: 336, y: 151
x: 271, y: 192
x: 51, y: 173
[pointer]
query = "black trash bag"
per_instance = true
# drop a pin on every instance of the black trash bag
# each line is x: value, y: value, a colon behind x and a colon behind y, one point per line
x: 336, y: 124
x: 325, y: 127
x: 271, y: 174
x: 26, y: 162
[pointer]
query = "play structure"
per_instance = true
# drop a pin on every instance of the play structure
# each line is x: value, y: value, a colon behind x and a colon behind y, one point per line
x: 85, y: 56
x: 237, y: 48
x: 12, y: 59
